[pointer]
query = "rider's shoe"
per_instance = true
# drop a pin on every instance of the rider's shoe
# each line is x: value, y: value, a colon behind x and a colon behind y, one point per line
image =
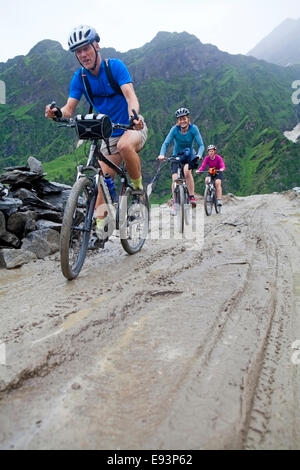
x: 94, y: 242
x: 219, y: 202
x: 193, y: 201
x: 102, y: 228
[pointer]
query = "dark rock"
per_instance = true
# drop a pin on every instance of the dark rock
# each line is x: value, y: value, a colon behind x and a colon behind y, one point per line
x: 3, y: 191
x: 35, y: 166
x: 58, y: 201
x: 61, y: 185
x: 7, y: 238
x: 43, y: 187
x: 9, y: 203
x: 18, y: 177
x: 43, y: 224
x: 21, y: 168
x: 17, y: 221
x: 42, y: 242
x: 10, y: 258
x: 30, y: 226
x: 2, y: 223
x: 31, y: 200
x: 49, y: 215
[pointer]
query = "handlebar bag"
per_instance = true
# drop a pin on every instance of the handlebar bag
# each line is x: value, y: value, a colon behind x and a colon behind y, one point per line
x: 93, y: 126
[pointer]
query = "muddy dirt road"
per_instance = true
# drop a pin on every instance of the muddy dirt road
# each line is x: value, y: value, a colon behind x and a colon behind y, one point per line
x: 172, y: 348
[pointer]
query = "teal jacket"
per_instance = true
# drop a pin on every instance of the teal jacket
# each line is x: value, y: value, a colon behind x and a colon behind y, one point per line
x: 182, y: 141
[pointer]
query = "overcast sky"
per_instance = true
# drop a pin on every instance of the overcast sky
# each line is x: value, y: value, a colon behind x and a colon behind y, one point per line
x: 235, y: 26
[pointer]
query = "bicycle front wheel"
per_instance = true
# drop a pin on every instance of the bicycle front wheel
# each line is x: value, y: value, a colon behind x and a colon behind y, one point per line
x: 208, y: 201
x: 179, y: 203
x: 217, y: 208
x: 133, y: 220
x: 76, y: 227
x: 187, y: 207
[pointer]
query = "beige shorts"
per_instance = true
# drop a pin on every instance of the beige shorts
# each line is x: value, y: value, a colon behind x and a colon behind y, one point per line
x: 113, y: 141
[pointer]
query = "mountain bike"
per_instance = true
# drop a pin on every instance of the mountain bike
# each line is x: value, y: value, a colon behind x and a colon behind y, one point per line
x: 129, y: 214
x: 210, y: 198
x: 181, y: 196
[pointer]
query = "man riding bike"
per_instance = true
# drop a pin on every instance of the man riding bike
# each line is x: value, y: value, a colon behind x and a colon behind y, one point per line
x: 213, y: 160
x: 183, y: 135
x: 118, y: 105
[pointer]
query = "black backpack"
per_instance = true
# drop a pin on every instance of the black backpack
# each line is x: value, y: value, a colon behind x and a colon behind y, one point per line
x: 115, y: 86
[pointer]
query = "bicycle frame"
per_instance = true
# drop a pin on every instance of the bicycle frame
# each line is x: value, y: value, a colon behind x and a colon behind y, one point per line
x: 96, y: 155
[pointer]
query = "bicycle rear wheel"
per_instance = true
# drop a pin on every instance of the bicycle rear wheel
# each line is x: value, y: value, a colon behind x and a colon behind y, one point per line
x: 208, y: 201
x: 76, y: 227
x: 179, y: 204
x: 133, y: 219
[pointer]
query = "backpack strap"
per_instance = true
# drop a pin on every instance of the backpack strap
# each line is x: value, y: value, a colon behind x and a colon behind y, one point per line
x: 88, y: 89
x: 115, y: 86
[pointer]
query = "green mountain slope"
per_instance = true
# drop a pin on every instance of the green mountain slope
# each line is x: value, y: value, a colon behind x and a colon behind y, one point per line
x: 241, y: 104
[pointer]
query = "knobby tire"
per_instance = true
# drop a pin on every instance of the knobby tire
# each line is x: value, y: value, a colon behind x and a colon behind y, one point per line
x: 179, y: 201
x: 133, y: 220
x: 75, y: 230
x: 208, y: 204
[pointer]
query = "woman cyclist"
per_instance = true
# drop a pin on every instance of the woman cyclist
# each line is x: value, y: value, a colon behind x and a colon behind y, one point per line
x: 213, y: 160
x: 183, y: 135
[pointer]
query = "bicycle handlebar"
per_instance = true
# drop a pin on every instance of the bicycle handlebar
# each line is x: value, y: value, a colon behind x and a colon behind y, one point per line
x: 70, y: 122
x: 206, y: 171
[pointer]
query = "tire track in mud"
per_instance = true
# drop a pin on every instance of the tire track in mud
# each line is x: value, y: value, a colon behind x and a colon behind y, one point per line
x: 223, y: 387
x: 81, y: 306
x: 230, y: 432
x: 273, y: 402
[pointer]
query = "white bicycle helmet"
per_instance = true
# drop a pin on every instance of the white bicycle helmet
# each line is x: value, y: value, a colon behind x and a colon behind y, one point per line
x: 211, y: 147
x: 82, y: 35
x: 182, y: 112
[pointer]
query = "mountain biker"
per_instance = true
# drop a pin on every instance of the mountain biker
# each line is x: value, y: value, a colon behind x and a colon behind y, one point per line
x: 84, y: 42
x: 213, y: 160
x: 183, y: 135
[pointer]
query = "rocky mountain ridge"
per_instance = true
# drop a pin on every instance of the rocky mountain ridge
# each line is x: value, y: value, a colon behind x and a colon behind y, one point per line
x: 241, y: 104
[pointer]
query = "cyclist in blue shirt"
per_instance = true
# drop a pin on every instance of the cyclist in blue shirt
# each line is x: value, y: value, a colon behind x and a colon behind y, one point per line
x: 84, y: 42
x: 183, y: 135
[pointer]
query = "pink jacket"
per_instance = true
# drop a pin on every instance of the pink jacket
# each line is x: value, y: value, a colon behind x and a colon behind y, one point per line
x: 217, y: 163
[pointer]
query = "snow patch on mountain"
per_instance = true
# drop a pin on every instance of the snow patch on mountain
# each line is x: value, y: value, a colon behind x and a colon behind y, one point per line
x: 294, y: 134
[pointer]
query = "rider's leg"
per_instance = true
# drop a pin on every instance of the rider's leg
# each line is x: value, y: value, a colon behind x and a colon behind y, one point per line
x: 189, y: 180
x: 128, y: 147
x: 174, y: 178
x: 218, y: 184
x: 100, y: 206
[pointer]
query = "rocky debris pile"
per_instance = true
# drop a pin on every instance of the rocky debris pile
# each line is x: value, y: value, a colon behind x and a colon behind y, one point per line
x: 31, y: 210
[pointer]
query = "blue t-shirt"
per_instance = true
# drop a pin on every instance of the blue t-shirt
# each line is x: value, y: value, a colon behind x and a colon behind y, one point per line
x: 106, y: 101
x: 182, y: 141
